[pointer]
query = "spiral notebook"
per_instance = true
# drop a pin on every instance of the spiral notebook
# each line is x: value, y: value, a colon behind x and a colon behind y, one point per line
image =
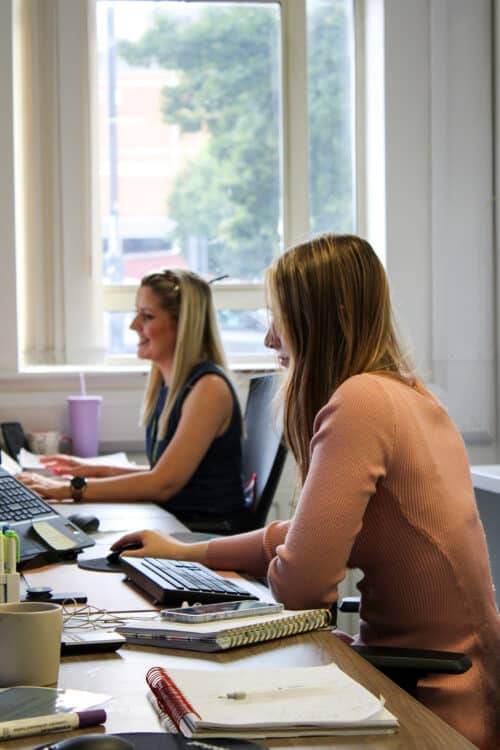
x: 225, y: 634
x: 268, y: 702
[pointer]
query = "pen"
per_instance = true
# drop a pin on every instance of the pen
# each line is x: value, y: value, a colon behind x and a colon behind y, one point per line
x: 51, y: 723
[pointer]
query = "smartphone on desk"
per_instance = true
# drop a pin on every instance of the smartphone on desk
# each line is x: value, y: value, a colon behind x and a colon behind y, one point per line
x: 220, y: 611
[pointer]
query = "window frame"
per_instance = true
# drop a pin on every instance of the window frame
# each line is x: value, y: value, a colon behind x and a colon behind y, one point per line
x: 64, y: 327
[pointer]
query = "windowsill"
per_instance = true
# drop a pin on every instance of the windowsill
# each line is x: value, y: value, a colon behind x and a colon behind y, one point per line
x: 105, y: 372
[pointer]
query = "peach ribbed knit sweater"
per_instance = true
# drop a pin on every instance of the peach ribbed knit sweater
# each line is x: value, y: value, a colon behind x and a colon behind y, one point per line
x: 389, y: 491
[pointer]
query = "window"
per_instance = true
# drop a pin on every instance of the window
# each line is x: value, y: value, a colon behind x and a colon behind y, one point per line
x: 206, y: 134
x: 190, y: 113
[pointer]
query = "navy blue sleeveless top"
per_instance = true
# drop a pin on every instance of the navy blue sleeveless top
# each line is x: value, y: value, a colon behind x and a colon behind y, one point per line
x: 216, y: 486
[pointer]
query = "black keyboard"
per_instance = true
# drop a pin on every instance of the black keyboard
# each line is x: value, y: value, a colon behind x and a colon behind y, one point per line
x: 177, y: 581
x: 18, y: 503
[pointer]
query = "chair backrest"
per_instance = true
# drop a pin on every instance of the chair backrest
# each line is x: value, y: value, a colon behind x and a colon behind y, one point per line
x: 263, y: 448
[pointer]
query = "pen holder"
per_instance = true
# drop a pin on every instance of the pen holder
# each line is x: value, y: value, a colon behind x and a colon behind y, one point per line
x: 9, y: 588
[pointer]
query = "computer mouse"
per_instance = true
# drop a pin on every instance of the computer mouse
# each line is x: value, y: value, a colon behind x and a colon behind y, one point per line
x: 91, y: 742
x: 114, y: 556
x: 85, y: 521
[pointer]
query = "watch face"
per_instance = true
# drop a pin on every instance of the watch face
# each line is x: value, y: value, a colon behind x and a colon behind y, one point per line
x: 78, y: 483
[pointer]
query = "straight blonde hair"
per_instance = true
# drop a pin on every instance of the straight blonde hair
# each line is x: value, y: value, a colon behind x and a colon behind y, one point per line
x: 331, y: 303
x: 188, y: 299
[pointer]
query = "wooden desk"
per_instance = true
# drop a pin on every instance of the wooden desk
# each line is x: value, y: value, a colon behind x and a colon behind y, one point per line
x: 122, y: 674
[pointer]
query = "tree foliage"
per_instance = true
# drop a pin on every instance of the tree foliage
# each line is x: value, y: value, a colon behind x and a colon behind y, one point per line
x: 226, y: 61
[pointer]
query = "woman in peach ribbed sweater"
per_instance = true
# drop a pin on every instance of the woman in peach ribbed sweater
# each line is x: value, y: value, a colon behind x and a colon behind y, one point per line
x: 386, y: 484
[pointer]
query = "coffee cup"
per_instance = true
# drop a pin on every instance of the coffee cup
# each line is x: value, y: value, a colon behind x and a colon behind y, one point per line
x: 30, y: 638
x: 44, y: 443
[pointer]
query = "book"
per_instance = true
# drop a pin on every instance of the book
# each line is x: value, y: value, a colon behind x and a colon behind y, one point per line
x: 224, y: 634
x: 268, y: 702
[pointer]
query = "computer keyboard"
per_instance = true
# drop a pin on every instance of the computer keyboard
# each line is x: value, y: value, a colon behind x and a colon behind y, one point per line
x: 18, y: 503
x: 177, y: 581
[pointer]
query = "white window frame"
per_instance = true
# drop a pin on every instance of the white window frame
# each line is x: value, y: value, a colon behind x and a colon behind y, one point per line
x: 65, y: 296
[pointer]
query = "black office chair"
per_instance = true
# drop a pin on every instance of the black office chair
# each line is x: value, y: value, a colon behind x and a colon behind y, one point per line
x: 406, y: 666
x: 263, y: 459
x: 264, y: 451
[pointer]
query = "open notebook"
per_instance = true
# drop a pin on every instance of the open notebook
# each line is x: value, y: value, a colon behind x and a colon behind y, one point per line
x: 268, y: 702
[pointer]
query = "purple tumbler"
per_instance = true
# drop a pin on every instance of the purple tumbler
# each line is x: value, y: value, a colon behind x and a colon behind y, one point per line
x: 84, y: 418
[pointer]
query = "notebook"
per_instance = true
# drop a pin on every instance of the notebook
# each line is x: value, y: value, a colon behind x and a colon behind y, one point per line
x: 225, y: 634
x: 268, y: 702
x: 44, y: 534
x: 178, y: 581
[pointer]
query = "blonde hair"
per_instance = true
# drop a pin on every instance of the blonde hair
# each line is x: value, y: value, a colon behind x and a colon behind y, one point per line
x: 331, y: 302
x: 188, y: 299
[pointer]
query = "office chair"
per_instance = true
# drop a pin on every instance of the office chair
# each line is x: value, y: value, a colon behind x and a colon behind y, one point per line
x: 263, y: 448
x: 263, y: 457
x: 406, y: 666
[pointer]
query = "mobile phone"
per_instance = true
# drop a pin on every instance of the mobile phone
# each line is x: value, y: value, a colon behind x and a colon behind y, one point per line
x: 89, y: 642
x: 220, y: 611
x: 45, y: 594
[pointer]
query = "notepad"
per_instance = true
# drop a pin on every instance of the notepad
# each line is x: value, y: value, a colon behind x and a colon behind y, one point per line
x: 268, y: 702
x: 225, y: 634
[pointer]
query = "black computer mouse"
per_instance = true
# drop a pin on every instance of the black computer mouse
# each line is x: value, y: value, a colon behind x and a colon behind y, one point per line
x: 91, y: 742
x: 114, y: 556
x: 85, y: 521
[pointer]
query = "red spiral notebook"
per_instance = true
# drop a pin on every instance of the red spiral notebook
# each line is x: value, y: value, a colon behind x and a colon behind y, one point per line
x: 306, y: 701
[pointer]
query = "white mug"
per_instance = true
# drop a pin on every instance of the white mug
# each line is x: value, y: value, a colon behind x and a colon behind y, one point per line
x: 30, y: 643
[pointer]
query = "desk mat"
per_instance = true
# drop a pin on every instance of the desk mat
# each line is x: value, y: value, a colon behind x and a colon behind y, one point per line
x: 153, y: 741
x: 101, y: 564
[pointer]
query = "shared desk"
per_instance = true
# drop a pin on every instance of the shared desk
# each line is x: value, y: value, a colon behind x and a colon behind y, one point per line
x: 122, y: 674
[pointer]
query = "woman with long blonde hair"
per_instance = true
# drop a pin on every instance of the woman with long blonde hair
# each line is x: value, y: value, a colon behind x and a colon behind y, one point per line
x: 190, y: 411
x: 386, y: 485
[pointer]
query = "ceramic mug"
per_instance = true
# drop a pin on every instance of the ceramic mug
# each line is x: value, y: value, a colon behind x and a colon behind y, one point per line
x: 44, y: 443
x: 30, y: 642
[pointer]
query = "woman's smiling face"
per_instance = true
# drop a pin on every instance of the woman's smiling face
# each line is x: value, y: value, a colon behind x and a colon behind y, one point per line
x: 156, y: 328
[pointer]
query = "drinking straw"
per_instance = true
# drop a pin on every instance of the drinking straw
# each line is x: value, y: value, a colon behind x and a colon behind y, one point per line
x: 83, y: 390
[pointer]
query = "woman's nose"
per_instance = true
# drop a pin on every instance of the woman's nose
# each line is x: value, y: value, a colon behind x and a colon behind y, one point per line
x: 271, y: 339
x: 134, y: 324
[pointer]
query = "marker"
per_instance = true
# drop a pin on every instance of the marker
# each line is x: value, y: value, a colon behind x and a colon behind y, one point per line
x: 51, y: 723
x: 13, y: 550
x: 2, y: 554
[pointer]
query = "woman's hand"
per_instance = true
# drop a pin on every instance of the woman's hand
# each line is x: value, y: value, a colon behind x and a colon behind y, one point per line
x: 60, y: 463
x: 154, y: 544
x: 51, y: 489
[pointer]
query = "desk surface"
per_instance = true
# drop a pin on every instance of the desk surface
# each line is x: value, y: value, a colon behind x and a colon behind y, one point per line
x: 122, y: 674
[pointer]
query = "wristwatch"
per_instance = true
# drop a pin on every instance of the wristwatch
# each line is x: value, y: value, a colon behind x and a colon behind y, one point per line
x: 77, y: 486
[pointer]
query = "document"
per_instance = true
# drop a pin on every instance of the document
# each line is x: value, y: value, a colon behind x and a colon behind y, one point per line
x: 268, y: 702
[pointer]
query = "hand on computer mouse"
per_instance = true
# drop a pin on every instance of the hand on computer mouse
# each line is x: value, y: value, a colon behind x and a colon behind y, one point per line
x: 153, y: 544
x: 114, y: 556
x: 91, y: 742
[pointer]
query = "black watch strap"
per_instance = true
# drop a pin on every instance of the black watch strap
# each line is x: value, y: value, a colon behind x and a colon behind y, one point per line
x: 77, y: 486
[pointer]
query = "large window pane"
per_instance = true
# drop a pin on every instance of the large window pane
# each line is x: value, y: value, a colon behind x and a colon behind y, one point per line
x: 330, y: 82
x: 189, y: 106
x: 242, y: 332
